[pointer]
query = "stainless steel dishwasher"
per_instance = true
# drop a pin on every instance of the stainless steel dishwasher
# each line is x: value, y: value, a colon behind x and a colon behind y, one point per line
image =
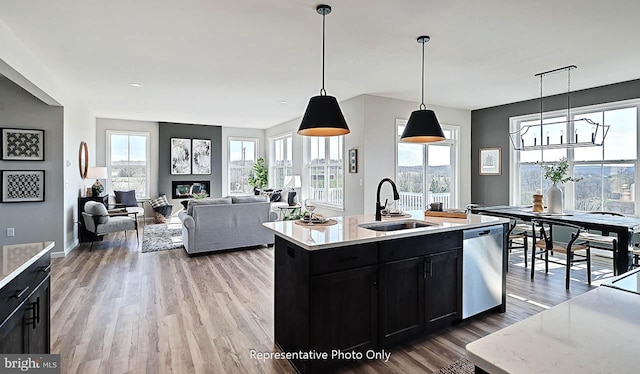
x: 482, y: 264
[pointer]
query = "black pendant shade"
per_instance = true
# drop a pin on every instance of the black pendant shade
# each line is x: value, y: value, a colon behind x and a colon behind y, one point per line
x: 422, y: 127
x: 323, y: 117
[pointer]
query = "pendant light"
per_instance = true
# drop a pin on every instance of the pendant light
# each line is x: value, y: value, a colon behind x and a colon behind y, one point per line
x: 323, y: 116
x: 423, y: 125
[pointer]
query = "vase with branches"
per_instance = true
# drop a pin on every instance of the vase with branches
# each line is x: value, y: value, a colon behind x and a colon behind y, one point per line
x: 557, y: 173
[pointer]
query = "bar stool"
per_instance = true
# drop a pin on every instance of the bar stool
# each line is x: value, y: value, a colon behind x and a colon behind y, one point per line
x: 575, y: 252
x: 603, y: 240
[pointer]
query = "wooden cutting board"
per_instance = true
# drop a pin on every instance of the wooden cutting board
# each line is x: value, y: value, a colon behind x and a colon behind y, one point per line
x: 445, y: 213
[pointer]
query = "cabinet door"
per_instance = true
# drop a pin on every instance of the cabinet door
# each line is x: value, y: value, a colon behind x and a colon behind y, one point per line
x: 38, y: 328
x: 443, y: 287
x: 343, y: 310
x: 13, y: 336
x: 401, y: 299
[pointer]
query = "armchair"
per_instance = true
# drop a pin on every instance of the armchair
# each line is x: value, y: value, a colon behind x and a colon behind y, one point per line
x: 127, y: 200
x: 99, y: 221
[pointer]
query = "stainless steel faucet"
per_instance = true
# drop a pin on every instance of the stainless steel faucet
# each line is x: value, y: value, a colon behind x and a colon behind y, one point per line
x: 396, y: 196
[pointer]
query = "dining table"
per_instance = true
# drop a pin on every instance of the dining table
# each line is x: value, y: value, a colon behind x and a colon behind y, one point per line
x: 623, y: 226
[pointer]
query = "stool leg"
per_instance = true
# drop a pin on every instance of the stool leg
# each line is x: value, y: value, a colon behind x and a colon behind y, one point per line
x: 589, y: 265
x: 526, y: 246
x: 567, y: 271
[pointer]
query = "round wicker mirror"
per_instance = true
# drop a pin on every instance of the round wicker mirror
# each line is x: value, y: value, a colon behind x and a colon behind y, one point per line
x: 83, y: 159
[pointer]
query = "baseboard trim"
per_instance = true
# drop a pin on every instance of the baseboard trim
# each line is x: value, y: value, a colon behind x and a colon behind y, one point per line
x: 67, y: 250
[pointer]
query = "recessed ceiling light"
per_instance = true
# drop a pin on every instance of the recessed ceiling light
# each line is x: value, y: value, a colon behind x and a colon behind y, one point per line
x: 134, y: 84
x: 284, y: 102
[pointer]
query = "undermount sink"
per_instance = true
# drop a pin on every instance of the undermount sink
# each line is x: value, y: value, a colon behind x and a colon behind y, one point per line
x: 396, y: 225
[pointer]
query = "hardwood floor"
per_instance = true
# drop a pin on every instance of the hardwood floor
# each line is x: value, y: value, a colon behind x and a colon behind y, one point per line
x: 116, y: 310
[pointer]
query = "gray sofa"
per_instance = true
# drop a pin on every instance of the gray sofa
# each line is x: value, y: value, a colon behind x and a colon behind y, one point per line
x: 226, y: 223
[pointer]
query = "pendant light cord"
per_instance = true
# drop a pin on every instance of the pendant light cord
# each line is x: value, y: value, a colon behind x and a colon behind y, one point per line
x: 422, y: 106
x: 323, y: 92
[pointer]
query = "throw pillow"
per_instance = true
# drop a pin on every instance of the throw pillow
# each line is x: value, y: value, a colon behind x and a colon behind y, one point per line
x: 97, y: 209
x: 292, y: 199
x: 207, y: 201
x: 160, y: 201
x: 165, y: 210
x: 126, y: 198
x: 276, y: 196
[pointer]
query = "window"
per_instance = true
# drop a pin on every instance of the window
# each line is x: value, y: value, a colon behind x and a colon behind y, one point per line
x: 280, y: 159
x: 243, y: 153
x: 128, y: 162
x: 427, y: 173
x: 608, y: 173
x: 325, y: 169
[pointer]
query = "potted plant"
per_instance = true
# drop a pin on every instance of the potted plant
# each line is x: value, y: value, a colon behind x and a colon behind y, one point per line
x: 557, y: 174
x: 259, y: 177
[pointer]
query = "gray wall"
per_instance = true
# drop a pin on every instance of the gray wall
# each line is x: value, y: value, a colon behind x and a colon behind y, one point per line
x: 490, y: 128
x: 34, y: 221
x: 178, y: 130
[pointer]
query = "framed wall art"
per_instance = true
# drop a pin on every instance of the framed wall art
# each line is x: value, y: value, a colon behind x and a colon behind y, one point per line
x: 490, y: 161
x: 180, y: 156
x: 20, y: 186
x: 201, y: 156
x: 353, y: 160
x: 22, y: 145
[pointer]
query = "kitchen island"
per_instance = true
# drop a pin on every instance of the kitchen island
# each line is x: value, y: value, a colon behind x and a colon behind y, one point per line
x: 345, y: 292
x: 24, y: 298
x: 596, y: 332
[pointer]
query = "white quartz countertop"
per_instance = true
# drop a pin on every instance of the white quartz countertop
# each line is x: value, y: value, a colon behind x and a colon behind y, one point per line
x: 15, y: 258
x: 596, y: 332
x: 347, y: 231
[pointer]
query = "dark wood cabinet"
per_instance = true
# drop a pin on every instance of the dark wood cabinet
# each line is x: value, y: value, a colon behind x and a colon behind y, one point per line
x: 443, y: 288
x: 13, y: 336
x: 27, y: 330
x: 419, y: 294
x: 39, y: 323
x: 401, y: 312
x: 364, y: 296
x: 343, y: 312
x: 83, y: 234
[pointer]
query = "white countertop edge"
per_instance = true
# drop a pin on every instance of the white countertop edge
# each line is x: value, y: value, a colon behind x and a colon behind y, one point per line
x: 48, y: 246
x: 396, y: 235
x: 520, y: 346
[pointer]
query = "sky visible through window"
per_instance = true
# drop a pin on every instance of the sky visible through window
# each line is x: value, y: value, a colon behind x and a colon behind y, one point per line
x: 120, y: 150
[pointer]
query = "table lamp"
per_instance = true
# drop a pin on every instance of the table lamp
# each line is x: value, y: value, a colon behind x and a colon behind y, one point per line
x: 97, y: 173
x: 291, y: 182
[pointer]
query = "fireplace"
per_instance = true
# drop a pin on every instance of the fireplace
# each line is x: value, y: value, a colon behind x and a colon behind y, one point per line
x: 186, y: 189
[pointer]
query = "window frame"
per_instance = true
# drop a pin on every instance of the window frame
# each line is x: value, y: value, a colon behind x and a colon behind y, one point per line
x: 569, y: 188
x: 147, y: 136
x: 229, y: 166
x: 288, y: 170
x: 308, y: 165
x: 454, y: 157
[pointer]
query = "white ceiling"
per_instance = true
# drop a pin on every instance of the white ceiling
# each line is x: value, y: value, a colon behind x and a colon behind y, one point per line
x: 231, y: 62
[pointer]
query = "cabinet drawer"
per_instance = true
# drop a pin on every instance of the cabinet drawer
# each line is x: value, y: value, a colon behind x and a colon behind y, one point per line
x: 30, y: 278
x: 343, y: 258
x: 399, y: 249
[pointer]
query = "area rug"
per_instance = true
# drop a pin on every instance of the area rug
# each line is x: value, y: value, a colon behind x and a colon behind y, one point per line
x: 462, y: 366
x: 162, y: 237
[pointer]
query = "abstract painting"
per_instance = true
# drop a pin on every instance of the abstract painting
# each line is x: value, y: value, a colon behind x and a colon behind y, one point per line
x: 19, y: 186
x: 22, y: 145
x: 201, y: 156
x: 180, y: 156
